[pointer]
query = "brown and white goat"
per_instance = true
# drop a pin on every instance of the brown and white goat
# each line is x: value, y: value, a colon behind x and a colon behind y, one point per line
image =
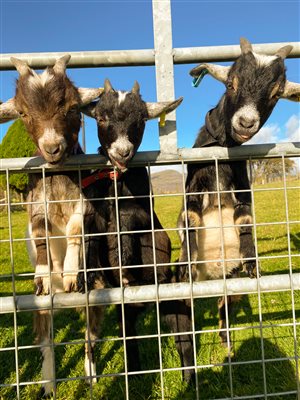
x: 220, y: 225
x: 49, y: 105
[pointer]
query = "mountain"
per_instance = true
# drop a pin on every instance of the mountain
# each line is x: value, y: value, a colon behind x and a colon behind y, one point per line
x: 167, y: 181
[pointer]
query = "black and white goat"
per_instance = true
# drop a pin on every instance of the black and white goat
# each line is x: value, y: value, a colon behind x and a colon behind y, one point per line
x: 49, y: 105
x: 220, y: 224
x: 121, y: 118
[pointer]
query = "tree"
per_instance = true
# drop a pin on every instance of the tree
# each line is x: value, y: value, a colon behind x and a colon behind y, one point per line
x: 16, y: 143
x: 271, y: 169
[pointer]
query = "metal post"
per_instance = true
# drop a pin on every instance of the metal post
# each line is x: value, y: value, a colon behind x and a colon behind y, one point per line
x: 164, y: 71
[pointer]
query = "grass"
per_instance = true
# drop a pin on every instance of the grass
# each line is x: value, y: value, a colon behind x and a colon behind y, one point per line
x: 280, y: 336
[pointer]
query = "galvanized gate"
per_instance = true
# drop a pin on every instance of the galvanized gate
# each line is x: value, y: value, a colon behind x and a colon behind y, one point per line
x: 285, y: 280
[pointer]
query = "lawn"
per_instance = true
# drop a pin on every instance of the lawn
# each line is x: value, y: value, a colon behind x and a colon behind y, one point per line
x: 264, y: 327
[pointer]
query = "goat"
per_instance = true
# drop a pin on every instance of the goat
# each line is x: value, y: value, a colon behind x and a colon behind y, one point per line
x: 121, y: 118
x: 49, y: 105
x: 220, y: 226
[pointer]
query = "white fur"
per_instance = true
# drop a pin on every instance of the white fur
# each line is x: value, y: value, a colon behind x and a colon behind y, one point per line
x: 39, y: 79
x: 122, y: 143
x: 210, y: 244
x: 43, y: 271
x: 31, y: 249
x: 121, y: 96
x: 249, y: 111
x: 90, y: 369
x: 50, y: 136
x: 263, y: 60
x: 72, y: 262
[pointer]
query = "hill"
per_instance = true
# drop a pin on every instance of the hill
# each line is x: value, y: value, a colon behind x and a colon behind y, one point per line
x: 167, y: 181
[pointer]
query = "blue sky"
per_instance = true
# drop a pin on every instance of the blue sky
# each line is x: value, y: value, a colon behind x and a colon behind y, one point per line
x: 63, y: 26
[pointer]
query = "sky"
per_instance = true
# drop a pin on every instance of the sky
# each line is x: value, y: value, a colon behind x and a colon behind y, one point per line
x: 64, y: 26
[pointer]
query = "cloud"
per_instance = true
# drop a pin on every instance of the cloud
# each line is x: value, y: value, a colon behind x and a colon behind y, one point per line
x: 274, y: 134
x: 267, y: 134
x: 292, y: 132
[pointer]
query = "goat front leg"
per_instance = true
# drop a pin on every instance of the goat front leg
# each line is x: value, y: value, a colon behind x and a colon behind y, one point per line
x: 177, y: 315
x: 37, y: 249
x: 42, y: 331
x: 243, y: 222
x: 193, y: 220
x: 224, y: 323
x: 96, y: 314
x: 73, y: 256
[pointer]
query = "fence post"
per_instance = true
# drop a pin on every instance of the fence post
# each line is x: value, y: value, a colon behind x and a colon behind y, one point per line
x: 162, y: 26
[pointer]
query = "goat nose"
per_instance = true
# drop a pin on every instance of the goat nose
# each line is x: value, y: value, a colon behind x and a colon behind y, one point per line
x: 124, y: 153
x: 52, y: 149
x: 246, y: 123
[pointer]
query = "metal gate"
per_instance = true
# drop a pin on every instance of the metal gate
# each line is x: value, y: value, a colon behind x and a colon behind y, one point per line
x: 266, y: 328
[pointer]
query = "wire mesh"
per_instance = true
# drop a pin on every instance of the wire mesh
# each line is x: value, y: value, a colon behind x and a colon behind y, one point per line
x: 263, y: 361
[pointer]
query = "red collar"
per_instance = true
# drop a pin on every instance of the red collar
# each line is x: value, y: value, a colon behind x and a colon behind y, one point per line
x: 100, y: 174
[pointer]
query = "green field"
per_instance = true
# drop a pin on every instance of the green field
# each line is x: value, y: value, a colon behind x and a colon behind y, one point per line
x: 276, y: 341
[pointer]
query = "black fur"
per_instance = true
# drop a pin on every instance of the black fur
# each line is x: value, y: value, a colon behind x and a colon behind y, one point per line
x: 248, y: 84
x: 121, y: 122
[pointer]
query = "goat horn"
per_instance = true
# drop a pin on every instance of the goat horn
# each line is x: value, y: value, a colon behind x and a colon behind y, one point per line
x: 291, y: 91
x: 219, y: 72
x: 21, y: 66
x: 107, y: 86
x: 246, y: 46
x: 60, y: 64
x: 136, y: 88
x: 283, y: 52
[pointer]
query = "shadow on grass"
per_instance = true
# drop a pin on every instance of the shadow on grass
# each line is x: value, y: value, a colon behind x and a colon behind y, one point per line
x: 249, y: 376
x: 295, y: 239
x: 247, y: 379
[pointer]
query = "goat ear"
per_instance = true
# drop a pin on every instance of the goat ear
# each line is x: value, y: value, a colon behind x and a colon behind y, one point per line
x: 291, y: 91
x: 107, y: 86
x: 246, y: 46
x: 89, y: 94
x: 8, y: 111
x: 61, y: 63
x: 21, y: 66
x: 219, y: 72
x: 136, y: 88
x: 156, y: 109
x: 89, y: 109
x: 283, y: 52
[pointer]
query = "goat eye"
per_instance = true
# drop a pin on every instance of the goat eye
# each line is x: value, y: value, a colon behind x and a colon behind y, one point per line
x: 101, y: 120
x: 230, y: 86
x: 73, y: 109
x: 22, y: 114
x: 276, y: 92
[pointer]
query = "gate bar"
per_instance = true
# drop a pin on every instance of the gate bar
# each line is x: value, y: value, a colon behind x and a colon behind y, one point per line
x: 271, y: 150
x: 148, y: 293
x: 142, y: 57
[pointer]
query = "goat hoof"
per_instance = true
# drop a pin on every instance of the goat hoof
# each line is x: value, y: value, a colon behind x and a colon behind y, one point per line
x: 250, y: 269
x: 91, y: 281
x: 42, y: 286
x: 44, y: 395
x: 70, y: 282
x: 81, y: 282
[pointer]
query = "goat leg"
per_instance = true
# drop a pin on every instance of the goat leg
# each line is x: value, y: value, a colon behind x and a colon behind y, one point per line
x: 178, y: 317
x: 243, y: 221
x: 42, y: 331
x: 96, y: 315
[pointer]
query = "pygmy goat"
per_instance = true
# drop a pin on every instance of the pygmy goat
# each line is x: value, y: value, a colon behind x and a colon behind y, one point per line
x: 121, y: 118
x: 220, y: 225
x: 49, y: 105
